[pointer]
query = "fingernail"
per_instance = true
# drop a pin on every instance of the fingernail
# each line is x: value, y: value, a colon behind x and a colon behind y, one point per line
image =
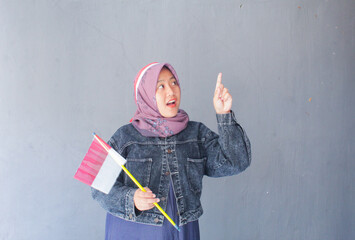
x: 153, y: 195
x: 158, y: 200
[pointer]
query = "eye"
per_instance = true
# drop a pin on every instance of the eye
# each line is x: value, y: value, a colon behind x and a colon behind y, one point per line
x: 161, y: 86
x: 174, y: 82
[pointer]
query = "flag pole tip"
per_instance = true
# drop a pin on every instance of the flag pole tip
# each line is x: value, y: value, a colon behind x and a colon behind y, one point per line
x: 177, y: 227
x: 94, y: 133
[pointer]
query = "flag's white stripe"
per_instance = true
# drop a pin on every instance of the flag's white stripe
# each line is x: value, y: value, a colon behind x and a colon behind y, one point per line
x: 109, y: 172
x: 140, y: 77
x: 117, y: 157
x: 106, y: 177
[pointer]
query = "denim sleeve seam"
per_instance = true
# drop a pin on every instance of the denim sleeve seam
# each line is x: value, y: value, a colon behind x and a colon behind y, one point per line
x: 124, y: 146
x: 226, y: 119
x: 130, y: 213
x: 112, y: 143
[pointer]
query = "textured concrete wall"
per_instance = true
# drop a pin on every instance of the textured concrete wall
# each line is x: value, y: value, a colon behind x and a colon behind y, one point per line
x: 66, y: 70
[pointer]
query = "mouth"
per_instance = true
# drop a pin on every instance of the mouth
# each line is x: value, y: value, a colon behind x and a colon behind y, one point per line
x: 171, y: 103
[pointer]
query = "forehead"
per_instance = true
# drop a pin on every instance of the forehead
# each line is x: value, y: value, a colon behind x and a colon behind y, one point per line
x: 165, y: 74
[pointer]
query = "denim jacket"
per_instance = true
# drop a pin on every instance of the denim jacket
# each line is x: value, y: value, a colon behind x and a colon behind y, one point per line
x: 183, y: 158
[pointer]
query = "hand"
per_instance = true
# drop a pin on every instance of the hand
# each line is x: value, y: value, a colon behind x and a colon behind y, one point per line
x: 144, y: 200
x: 222, y: 99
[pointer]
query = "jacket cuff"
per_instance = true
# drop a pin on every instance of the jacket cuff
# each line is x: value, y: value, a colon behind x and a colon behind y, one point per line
x: 129, y: 206
x: 226, y: 119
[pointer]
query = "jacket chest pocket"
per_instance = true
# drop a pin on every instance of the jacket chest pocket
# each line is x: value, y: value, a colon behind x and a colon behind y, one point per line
x: 140, y: 169
x: 195, y: 172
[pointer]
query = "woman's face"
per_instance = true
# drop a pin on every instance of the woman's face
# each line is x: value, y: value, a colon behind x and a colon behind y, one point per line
x: 167, y: 94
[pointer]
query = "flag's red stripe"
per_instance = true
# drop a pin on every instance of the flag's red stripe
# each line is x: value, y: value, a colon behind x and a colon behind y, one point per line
x: 84, y: 177
x: 98, y: 157
x: 92, y: 162
x: 98, y: 147
x: 90, y: 168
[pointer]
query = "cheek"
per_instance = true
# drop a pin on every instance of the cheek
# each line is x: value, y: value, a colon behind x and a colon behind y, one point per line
x: 159, y: 99
x: 178, y: 94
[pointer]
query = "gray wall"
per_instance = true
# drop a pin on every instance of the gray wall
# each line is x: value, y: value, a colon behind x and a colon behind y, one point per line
x: 66, y: 70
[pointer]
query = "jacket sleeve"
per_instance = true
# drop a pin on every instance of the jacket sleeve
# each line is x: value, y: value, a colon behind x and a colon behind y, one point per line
x: 229, y: 153
x: 119, y: 201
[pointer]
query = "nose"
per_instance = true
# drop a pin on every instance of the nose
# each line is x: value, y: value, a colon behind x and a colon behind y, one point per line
x: 169, y: 90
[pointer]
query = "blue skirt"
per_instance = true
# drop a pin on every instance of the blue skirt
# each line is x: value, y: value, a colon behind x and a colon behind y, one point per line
x: 117, y: 228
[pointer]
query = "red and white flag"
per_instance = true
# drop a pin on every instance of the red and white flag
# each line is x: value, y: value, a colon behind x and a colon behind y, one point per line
x: 101, y: 166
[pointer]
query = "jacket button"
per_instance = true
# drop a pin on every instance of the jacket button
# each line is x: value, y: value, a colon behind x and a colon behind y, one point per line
x: 156, y: 220
x: 163, y: 199
x: 167, y: 173
x: 169, y: 151
x: 130, y: 216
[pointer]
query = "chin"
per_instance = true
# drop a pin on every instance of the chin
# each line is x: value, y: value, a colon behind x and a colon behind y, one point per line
x: 170, y: 115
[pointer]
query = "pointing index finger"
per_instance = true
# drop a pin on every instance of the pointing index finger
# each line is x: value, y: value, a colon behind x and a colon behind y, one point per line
x: 219, y: 80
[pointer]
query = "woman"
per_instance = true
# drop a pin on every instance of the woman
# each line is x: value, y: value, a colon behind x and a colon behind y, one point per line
x: 169, y: 155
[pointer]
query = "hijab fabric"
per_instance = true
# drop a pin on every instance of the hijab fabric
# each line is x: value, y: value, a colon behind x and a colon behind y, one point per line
x: 147, y: 119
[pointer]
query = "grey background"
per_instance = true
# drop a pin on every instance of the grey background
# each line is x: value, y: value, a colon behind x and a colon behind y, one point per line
x: 66, y: 70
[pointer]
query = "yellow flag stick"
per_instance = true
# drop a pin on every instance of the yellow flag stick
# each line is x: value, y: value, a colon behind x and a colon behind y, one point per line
x: 136, y: 182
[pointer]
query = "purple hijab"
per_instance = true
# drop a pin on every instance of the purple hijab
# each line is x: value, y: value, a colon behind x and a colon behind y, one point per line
x: 147, y: 119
